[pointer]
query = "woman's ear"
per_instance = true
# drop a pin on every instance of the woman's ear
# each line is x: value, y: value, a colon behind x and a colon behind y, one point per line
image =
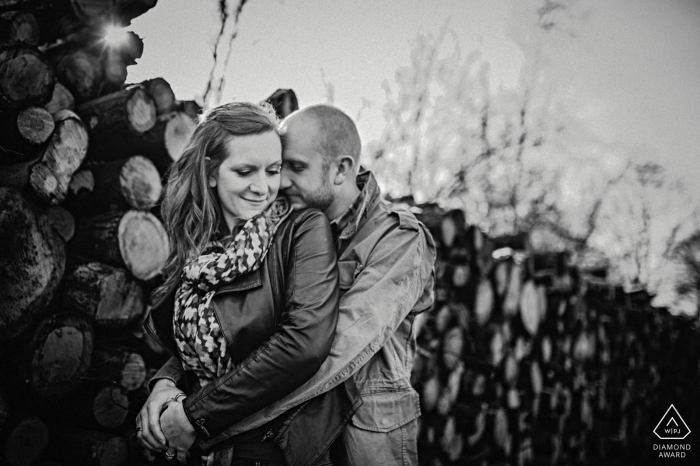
x: 212, y: 182
x: 344, y: 168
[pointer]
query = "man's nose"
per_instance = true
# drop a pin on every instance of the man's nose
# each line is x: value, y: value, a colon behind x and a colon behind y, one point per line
x: 285, y: 181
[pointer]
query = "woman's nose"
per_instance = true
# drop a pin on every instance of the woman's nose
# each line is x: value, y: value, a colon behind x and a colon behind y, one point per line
x: 259, y: 186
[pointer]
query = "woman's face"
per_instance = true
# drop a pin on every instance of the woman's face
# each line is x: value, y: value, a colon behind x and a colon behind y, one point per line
x: 248, y: 180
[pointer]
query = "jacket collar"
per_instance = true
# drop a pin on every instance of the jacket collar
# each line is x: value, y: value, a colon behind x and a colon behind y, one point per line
x: 369, y: 194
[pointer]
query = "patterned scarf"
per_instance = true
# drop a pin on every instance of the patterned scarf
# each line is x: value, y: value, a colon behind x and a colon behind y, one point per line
x: 196, y: 329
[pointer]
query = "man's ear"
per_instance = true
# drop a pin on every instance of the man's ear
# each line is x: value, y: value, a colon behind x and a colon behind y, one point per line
x: 345, y: 166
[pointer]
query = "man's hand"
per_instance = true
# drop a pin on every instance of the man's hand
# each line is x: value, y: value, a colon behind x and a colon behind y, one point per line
x: 178, y: 430
x: 149, y: 431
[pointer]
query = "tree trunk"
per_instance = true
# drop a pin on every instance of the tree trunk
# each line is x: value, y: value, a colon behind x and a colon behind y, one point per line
x: 133, y: 183
x: 60, y: 354
x: 90, y: 448
x: 32, y: 262
x: 106, y: 294
x: 26, y: 77
x: 135, y: 240
x: 24, y: 441
x: 116, y: 116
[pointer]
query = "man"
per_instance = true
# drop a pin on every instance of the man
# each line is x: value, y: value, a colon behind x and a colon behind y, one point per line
x: 386, y: 267
x: 385, y: 261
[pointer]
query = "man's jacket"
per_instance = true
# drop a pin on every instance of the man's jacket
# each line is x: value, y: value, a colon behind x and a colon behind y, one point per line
x: 279, y: 323
x: 386, y: 264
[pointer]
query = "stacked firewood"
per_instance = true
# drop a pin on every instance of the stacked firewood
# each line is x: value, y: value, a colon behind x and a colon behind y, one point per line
x: 83, y: 156
x: 528, y: 360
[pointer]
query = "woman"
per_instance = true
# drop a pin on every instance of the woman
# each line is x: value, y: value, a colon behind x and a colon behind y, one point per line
x: 249, y: 304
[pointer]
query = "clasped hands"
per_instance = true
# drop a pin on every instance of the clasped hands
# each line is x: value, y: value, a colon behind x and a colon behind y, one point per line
x: 163, y: 426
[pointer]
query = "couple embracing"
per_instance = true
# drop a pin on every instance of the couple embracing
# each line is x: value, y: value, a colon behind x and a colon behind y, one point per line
x: 289, y: 300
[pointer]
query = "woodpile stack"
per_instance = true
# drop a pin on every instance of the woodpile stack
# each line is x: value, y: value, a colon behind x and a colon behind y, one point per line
x: 83, y: 157
x: 526, y: 360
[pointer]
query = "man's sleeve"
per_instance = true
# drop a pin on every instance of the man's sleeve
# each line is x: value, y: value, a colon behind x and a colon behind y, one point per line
x: 385, y: 290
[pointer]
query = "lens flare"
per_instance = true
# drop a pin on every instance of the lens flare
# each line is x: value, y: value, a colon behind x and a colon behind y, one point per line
x: 115, y: 35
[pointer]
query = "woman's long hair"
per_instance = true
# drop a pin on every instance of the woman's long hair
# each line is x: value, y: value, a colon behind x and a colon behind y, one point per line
x: 190, y: 208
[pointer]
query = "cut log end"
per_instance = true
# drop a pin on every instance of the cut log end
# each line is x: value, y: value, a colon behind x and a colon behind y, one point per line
x: 178, y: 132
x: 111, y: 407
x: 62, y: 348
x: 26, y: 77
x: 66, y: 150
x: 141, y: 111
x: 26, y: 442
x: 62, y: 222
x: 143, y: 243
x: 35, y: 124
x: 140, y: 183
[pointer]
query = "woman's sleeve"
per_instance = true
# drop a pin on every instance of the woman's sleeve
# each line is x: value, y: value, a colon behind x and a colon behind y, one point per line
x: 296, y: 350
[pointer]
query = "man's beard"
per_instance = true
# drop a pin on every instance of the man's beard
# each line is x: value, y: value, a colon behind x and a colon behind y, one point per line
x: 320, y: 199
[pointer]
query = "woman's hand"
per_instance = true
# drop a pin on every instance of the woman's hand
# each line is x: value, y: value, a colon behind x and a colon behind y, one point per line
x: 148, y: 428
x: 178, y: 430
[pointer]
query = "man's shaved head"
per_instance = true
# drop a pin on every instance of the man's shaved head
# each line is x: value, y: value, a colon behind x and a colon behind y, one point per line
x: 336, y: 133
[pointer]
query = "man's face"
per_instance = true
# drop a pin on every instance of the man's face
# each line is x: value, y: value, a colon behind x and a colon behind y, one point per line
x: 305, y: 176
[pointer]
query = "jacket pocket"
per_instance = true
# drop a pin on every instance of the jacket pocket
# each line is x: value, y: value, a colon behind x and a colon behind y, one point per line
x: 384, y: 412
x: 346, y: 273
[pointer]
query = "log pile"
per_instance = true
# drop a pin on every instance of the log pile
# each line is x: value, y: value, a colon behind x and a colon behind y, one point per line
x: 83, y: 155
x: 527, y: 360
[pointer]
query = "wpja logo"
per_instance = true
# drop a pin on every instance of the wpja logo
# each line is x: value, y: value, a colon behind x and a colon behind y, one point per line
x: 672, y: 427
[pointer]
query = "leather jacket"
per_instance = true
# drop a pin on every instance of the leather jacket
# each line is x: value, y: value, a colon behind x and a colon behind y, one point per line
x: 279, y: 322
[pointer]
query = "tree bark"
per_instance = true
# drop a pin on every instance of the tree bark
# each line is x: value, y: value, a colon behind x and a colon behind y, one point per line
x: 26, y: 77
x: 163, y: 144
x: 121, y: 114
x: 32, y: 262
x: 107, y: 295
x: 134, y: 240
x: 132, y: 183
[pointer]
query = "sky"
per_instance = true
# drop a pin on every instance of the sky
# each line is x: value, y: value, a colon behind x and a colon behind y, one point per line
x: 633, y: 65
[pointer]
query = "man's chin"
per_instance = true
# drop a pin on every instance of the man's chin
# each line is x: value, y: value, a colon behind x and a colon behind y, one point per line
x: 296, y: 201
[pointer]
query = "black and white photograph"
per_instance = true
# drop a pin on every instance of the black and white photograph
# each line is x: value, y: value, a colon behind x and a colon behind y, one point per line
x: 349, y: 233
